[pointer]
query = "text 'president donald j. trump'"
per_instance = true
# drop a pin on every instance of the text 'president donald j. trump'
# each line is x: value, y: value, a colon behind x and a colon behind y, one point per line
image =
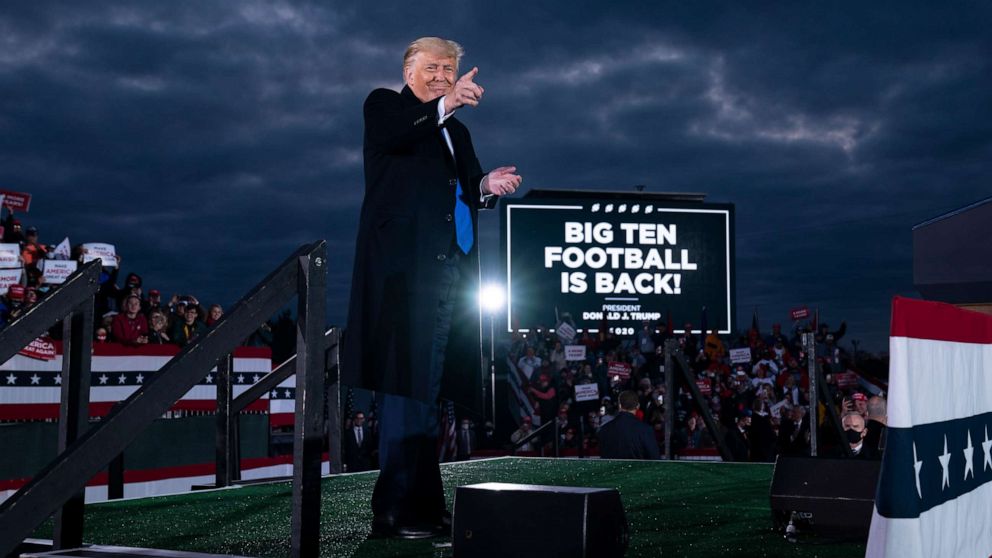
x: 414, y: 330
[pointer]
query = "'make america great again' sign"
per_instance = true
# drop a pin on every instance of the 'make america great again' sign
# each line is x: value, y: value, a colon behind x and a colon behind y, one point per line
x: 618, y: 258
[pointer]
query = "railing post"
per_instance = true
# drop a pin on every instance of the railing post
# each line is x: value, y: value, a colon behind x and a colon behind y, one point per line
x: 77, y: 345
x: 671, y: 345
x: 333, y: 401
x: 115, y: 478
x: 308, y: 437
x: 809, y: 345
x: 227, y: 458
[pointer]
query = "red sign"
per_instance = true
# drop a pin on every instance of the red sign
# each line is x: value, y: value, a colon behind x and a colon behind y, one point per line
x: 799, y: 313
x: 705, y: 388
x: 621, y: 369
x: 846, y: 379
x: 41, y: 348
x: 16, y: 201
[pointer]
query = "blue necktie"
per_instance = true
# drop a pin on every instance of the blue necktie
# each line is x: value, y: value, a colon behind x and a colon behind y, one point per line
x: 463, y: 222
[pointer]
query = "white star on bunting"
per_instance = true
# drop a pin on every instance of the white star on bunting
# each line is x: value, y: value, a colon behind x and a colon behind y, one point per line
x: 210, y: 378
x: 140, y: 378
x: 945, y: 460
x: 241, y: 378
x: 917, y: 464
x: 103, y: 379
x: 58, y: 379
x: 35, y: 380
x: 11, y: 379
x: 121, y: 379
x: 987, y: 448
x: 254, y: 379
x: 969, y: 456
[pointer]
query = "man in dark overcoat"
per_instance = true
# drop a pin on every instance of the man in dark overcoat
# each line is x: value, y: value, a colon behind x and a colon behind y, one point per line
x: 414, y: 322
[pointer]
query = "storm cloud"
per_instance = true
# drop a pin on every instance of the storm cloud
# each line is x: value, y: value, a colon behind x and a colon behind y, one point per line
x: 208, y: 140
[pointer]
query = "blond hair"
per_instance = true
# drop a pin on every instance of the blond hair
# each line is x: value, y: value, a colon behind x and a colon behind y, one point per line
x: 435, y: 45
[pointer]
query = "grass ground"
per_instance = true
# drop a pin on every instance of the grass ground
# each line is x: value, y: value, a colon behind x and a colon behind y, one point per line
x: 674, y: 509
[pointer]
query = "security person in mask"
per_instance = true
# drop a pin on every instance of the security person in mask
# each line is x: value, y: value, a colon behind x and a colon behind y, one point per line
x: 854, y: 434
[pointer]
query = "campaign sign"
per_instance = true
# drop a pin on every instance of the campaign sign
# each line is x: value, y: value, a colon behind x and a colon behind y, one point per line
x: 575, y: 352
x: 57, y: 271
x: 565, y: 331
x: 739, y: 356
x: 41, y: 348
x: 799, y: 313
x: 587, y: 392
x: 621, y: 369
x: 16, y: 201
x: 705, y: 388
x: 8, y: 277
x: 846, y: 379
x: 10, y: 255
x: 616, y: 259
x: 100, y: 251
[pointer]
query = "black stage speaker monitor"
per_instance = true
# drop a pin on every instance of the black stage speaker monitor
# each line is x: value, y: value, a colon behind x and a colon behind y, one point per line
x: 521, y: 520
x: 832, y: 497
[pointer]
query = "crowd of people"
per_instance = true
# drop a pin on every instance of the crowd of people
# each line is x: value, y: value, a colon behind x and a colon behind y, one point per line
x: 123, y: 314
x: 761, y: 405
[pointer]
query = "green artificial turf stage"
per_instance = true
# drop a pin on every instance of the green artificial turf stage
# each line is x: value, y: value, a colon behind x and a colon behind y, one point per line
x: 674, y: 509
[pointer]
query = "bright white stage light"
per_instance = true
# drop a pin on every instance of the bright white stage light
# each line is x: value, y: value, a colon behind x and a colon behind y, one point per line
x: 492, y: 297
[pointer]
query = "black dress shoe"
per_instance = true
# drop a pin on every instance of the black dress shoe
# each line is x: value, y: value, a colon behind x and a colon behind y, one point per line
x: 388, y: 529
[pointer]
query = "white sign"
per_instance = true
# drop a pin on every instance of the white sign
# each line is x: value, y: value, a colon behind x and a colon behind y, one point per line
x: 738, y: 356
x: 100, y: 251
x: 56, y: 271
x: 587, y: 392
x: 63, y: 251
x: 7, y: 278
x: 10, y: 256
x: 776, y: 408
x: 575, y: 352
x: 565, y: 332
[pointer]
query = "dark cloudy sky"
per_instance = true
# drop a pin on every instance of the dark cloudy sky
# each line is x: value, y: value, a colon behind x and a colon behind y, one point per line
x: 208, y: 140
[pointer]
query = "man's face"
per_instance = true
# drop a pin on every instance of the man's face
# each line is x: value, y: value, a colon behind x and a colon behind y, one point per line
x: 190, y: 316
x: 359, y: 420
x: 430, y: 75
x: 855, y: 423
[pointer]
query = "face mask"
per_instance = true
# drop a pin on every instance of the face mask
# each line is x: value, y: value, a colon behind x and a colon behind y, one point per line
x: 853, y: 437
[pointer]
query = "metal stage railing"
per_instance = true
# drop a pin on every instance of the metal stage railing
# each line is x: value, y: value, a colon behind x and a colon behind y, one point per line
x: 58, y: 486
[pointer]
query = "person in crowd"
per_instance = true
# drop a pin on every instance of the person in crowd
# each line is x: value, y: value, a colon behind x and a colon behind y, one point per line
x: 546, y: 396
x: 860, y: 402
x: 12, y: 231
x: 522, y: 432
x: 855, y: 432
x: 557, y: 358
x: 487, y: 437
x: 529, y: 363
x: 569, y: 440
x: 154, y: 302
x: 158, y: 329
x: 645, y: 338
x: 30, y: 297
x: 130, y: 327
x: 32, y: 251
x: 793, y: 433
x: 214, y: 314
x: 877, y: 416
x: 15, y: 302
x: 357, y: 445
x: 100, y: 335
x: 189, y: 329
x: 465, y: 442
x: 761, y: 434
x: 625, y: 437
x: 736, y: 437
